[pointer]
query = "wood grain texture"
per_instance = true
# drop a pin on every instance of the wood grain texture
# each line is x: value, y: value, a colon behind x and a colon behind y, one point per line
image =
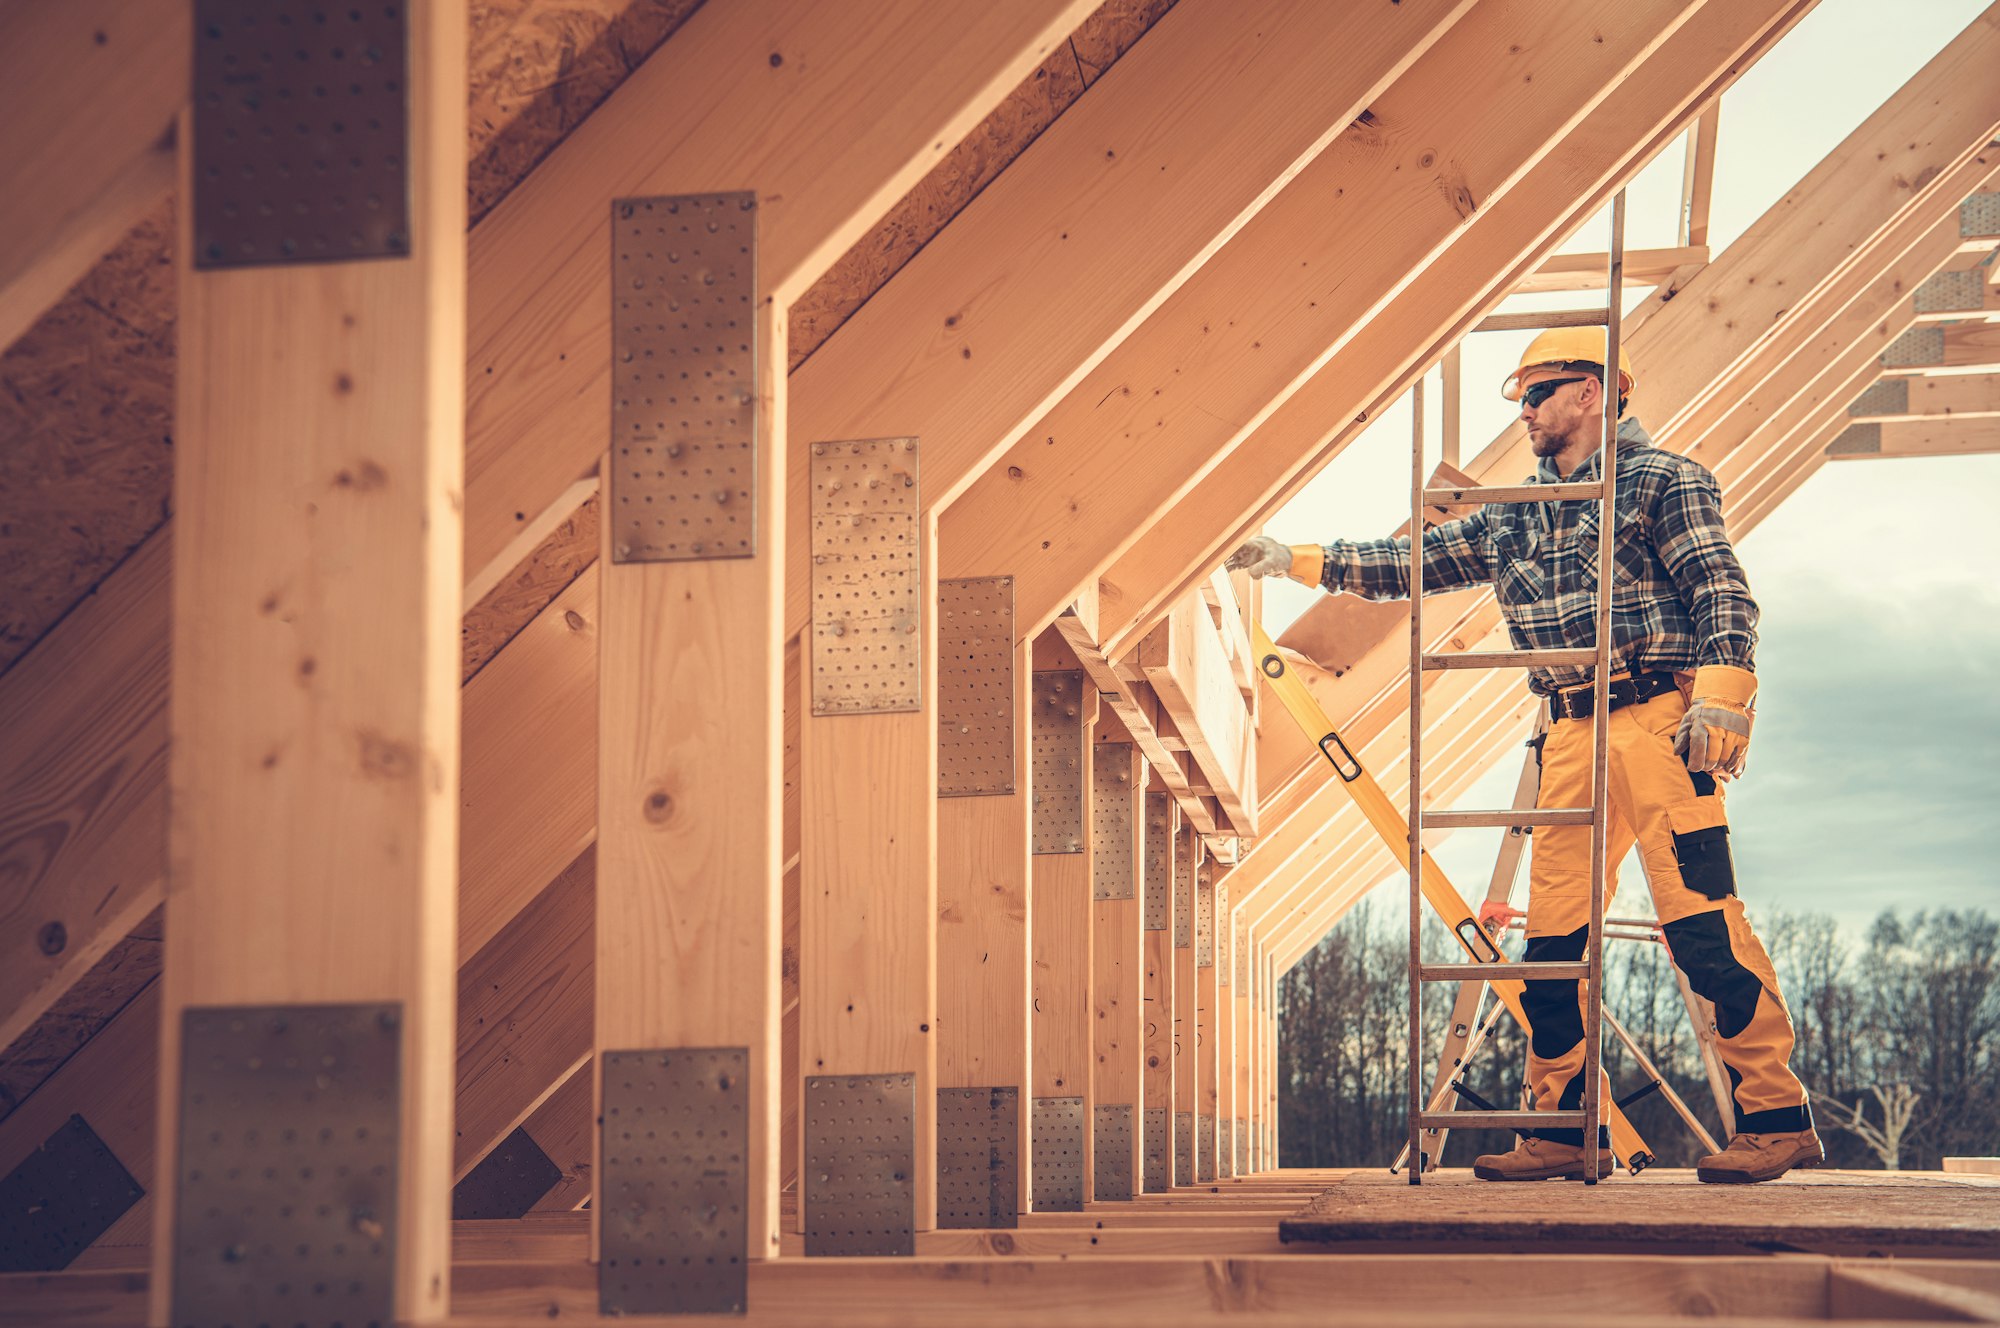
x: 1187, y: 1035
x: 519, y: 599
x: 82, y: 1012
x: 1117, y: 996
x: 1157, y: 993
x: 565, y: 1128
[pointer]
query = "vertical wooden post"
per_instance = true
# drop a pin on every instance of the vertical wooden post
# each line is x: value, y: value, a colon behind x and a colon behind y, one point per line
x: 689, y: 752
x: 1208, y: 1039
x: 1246, y: 1045
x: 983, y: 919
x: 1187, y: 1032
x: 1157, y: 882
x: 312, y: 849
x: 868, y: 889
x: 1117, y: 848
x: 1226, y: 1048
x: 1065, y: 710
x: 1274, y: 1083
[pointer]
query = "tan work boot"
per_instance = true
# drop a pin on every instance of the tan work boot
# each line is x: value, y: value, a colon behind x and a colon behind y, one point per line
x: 1754, y: 1157
x: 1540, y: 1159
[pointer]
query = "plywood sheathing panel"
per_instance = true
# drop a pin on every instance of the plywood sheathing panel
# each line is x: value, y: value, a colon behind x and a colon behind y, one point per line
x: 86, y: 397
x: 968, y: 168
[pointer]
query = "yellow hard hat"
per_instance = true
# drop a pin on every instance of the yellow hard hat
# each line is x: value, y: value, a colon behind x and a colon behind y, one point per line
x: 1560, y: 346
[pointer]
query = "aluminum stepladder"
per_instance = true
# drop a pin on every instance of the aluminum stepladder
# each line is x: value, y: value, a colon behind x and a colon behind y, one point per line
x: 1590, y: 971
x: 1484, y: 961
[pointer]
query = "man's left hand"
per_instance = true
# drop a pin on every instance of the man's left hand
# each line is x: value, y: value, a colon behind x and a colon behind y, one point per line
x: 1714, y: 735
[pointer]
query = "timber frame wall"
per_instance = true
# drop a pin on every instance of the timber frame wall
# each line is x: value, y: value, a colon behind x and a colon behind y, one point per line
x: 1034, y: 911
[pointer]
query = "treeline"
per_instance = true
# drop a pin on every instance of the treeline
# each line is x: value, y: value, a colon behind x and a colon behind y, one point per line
x: 1898, y: 1041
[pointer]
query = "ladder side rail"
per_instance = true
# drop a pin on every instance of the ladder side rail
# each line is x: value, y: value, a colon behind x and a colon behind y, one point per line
x: 1416, y: 807
x: 1600, y: 754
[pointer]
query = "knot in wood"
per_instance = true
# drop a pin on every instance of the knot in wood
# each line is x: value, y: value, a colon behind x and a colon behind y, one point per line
x: 659, y: 806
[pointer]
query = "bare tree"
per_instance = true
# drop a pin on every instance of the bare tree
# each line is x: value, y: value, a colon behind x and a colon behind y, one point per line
x: 1898, y: 1103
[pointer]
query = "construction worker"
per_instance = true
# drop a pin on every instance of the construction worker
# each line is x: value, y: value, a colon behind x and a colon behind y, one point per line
x: 1684, y: 628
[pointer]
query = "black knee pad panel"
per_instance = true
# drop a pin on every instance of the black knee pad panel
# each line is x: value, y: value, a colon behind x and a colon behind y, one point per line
x: 1700, y: 946
x: 1551, y: 1004
x: 1706, y: 867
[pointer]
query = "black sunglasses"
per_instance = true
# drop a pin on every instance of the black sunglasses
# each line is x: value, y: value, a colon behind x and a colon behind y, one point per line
x: 1533, y: 397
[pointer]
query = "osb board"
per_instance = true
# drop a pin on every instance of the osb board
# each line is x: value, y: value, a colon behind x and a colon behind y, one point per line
x: 73, y: 1020
x: 968, y: 168
x: 1825, y: 1212
x: 86, y: 397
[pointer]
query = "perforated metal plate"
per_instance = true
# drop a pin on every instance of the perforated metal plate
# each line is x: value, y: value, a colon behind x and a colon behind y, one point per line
x: 301, y: 134
x: 975, y: 686
x: 1857, y: 440
x: 1204, y: 1157
x: 676, y: 1183
x: 683, y: 464
x: 979, y: 1148
x: 506, y: 1183
x: 1183, y: 1147
x: 1056, y: 697
x: 860, y: 1195
x: 1184, y: 892
x: 1158, y: 1145
x: 63, y: 1196
x: 1156, y: 905
x: 1204, y: 917
x: 1979, y: 215
x: 1056, y: 1167
x: 1952, y: 292
x: 1225, y: 1165
x: 1885, y: 396
x: 1111, y: 1153
x: 1113, y: 874
x: 1242, y: 1136
x: 289, y: 1123
x: 867, y: 654
x: 1916, y: 348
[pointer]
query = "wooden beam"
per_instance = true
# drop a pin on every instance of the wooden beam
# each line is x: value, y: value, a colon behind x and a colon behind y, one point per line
x: 1588, y: 271
x: 1191, y: 674
x: 1207, y: 1034
x: 1143, y: 428
x: 1187, y: 1061
x: 1970, y: 396
x: 1117, y: 991
x: 88, y: 92
x: 565, y: 1128
x: 1698, y: 179
x: 1433, y: 312
x: 1957, y: 348
x: 1226, y: 1050
x: 1162, y: 843
x: 315, y: 701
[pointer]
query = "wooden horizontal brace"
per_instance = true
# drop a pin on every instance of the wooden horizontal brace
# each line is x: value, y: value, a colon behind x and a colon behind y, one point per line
x: 88, y: 92
x: 1963, y: 396
x: 1579, y: 272
x: 1433, y: 312
x: 1917, y: 438
x: 1956, y: 348
x: 1142, y: 430
x: 1535, y: 322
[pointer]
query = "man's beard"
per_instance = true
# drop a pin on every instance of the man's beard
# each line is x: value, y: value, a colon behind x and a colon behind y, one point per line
x: 1546, y: 444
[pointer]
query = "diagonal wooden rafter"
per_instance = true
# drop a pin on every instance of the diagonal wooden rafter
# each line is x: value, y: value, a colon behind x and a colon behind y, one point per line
x: 88, y: 92
x: 889, y: 99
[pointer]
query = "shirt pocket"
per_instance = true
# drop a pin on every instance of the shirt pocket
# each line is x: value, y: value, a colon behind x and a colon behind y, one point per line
x: 1518, y: 577
x: 1627, y: 562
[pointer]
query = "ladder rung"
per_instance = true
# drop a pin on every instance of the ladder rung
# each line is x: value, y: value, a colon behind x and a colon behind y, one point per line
x: 1504, y: 969
x: 1509, y: 659
x: 1507, y: 818
x: 1513, y: 493
x: 1500, y: 1120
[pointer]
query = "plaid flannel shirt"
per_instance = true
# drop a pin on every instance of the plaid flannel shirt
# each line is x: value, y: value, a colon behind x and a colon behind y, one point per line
x: 1679, y: 599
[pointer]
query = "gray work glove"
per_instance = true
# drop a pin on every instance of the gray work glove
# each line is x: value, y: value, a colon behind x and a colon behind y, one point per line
x: 1261, y: 556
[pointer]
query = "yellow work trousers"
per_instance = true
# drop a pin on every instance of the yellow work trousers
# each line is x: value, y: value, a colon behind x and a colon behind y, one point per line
x: 1677, y: 820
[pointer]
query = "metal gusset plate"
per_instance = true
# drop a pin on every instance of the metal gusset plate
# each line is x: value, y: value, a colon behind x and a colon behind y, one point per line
x: 1963, y: 291
x: 1157, y: 881
x: 1979, y: 215
x: 1915, y: 349
x: 301, y: 132
x: 1857, y: 440
x: 1885, y: 396
x: 507, y: 1182
x: 1204, y: 917
x: 1056, y: 1166
x: 975, y: 686
x: 62, y: 1196
x: 867, y: 582
x: 290, y: 1117
x: 1113, y: 873
x: 1056, y: 698
x: 1158, y: 1150
x: 1184, y: 892
x: 979, y: 1150
x: 1111, y: 1153
x: 682, y: 479
x: 675, y: 1191
x: 1204, y: 1159
x: 859, y: 1175
x: 1225, y: 1166
x: 1183, y: 1148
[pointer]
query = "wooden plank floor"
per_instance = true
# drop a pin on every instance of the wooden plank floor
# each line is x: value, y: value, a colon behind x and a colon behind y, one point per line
x: 1823, y: 1212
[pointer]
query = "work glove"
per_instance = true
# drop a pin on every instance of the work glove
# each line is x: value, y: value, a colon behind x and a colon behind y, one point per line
x: 1261, y: 555
x: 1714, y: 736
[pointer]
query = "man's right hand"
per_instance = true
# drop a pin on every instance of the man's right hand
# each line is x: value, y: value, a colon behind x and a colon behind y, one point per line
x: 1261, y: 556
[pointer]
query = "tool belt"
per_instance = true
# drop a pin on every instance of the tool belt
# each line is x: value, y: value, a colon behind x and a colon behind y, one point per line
x: 1576, y: 704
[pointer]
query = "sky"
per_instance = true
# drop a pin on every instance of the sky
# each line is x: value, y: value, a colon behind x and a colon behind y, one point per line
x: 1874, y: 772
